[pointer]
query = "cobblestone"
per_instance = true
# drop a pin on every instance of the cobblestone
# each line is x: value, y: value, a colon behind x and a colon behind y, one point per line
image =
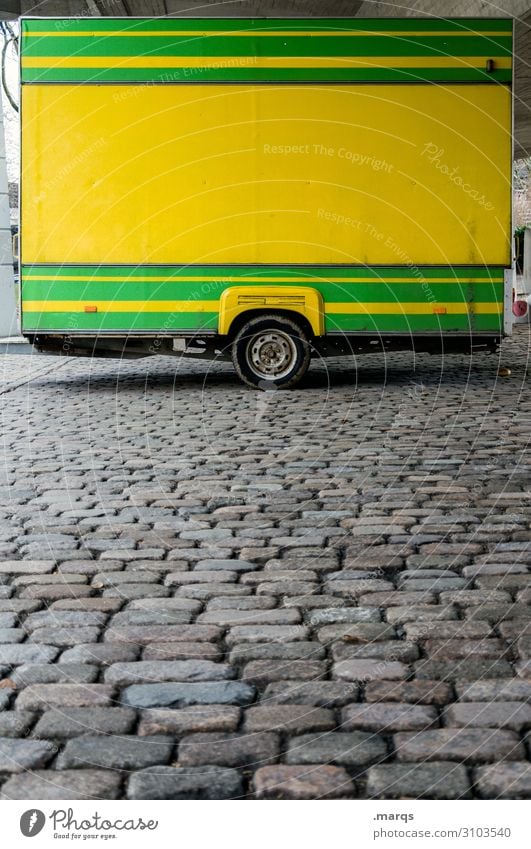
x: 67, y: 784
x: 291, y: 718
x: 385, y: 717
x: 185, y: 783
x: 460, y: 744
x: 189, y: 719
x: 299, y: 612
x: 318, y: 693
x: 180, y: 695
x: 71, y: 722
x: 120, y: 752
x: 21, y: 755
x: 418, y: 781
x: 297, y: 782
x: 47, y: 673
x: 123, y: 674
x: 233, y: 750
x: 355, y: 748
x: 369, y: 670
x: 41, y: 696
x: 504, y: 781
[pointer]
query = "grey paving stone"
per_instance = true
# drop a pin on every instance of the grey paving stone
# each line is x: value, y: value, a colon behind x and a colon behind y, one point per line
x: 105, y: 604
x: 42, y: 696
x: 48, y: 673
x: 457, y: 649
x: 181, y: 695
x: 121, y: 752
x: 158, y: 605
x: 15, y: 723
x: 388, y: 716
x: 64, y: 618
x: 62, y: 723
x: 99, y: 654
x: 291, y: 718
x: 11, y: 635
x: 143, y: 635
x: 369, y: 670
x: 404, y: 651
x: 180, y: 579
x: 241, y: 603
x: 514, y: 715
x: 337, y: 615
x: 462, y: 670
x: 22, y: 755
x: 146, y: 671
x: 421, y: 613
x: 189, y: 719
x: 150, y: 617
x: 66, y: 784
x: 229, y: 618
x: 414, y: 692
x: 198, y: 783
x: 182, y: 651
x: 26, y: 567
x: 354, y: 748
x: 17, y: 654
x: 261, y: 672
x: 496, y: 689
x: 65, y: 636
x: 504, y: 780
x: 7, y: 620
x: 225, y: 565
x: 234, y: 750
x: 438, y: 780
x: 265, y: 633
x: 458, y: 744
x: 128, y: 592
x: 319, y: 693
x: 315, y: 781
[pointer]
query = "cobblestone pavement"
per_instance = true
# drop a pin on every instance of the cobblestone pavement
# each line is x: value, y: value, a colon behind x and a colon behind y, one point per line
x: 207, y: 592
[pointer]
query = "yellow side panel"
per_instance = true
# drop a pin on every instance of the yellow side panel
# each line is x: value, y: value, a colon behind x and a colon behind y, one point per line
x: 376, y: 174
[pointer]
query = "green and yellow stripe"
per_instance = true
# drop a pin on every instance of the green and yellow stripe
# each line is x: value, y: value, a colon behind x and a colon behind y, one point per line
x: 142, y: 50
x: 178, y: 298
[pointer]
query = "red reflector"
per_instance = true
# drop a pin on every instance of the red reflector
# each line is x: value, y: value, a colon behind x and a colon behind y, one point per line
x: 91, y: 309
x: 439, y: 310
x: 520, y: 308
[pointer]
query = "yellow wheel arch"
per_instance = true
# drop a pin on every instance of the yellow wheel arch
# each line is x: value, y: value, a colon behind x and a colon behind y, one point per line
x: 304, y: 300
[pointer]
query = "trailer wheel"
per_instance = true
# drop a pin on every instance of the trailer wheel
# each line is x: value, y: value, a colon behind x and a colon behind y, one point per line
x: 271, y: 352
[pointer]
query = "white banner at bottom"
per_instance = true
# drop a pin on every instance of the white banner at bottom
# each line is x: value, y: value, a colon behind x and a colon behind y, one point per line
x: 255, y: 825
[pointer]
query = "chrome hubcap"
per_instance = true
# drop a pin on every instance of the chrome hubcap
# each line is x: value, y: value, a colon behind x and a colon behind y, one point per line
x: 271, y: 354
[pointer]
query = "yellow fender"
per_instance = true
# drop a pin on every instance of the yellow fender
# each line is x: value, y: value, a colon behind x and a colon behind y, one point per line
x: 301, y: 299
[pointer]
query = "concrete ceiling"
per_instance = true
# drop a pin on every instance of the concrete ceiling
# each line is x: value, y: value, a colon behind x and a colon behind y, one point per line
x: 519, y: 9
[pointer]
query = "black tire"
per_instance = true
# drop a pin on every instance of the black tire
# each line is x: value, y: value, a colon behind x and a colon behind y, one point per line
x: 271, y: 352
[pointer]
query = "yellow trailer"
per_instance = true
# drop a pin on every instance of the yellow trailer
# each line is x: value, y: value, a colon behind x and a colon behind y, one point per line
x: 266, y: 188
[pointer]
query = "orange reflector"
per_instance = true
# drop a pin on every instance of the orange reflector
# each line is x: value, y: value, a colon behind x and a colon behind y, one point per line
x: 91, y: 309
x: 439, y: 310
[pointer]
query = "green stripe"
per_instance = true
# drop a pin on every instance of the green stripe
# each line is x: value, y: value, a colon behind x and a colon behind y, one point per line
x: 235, y: 24
x: 124, y: 321
x: 331, y: 292
x: 272, y: 46
x: 413, y: 323
x: 236, y: 75
x: 298, y: 273
x: 197, y: 322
